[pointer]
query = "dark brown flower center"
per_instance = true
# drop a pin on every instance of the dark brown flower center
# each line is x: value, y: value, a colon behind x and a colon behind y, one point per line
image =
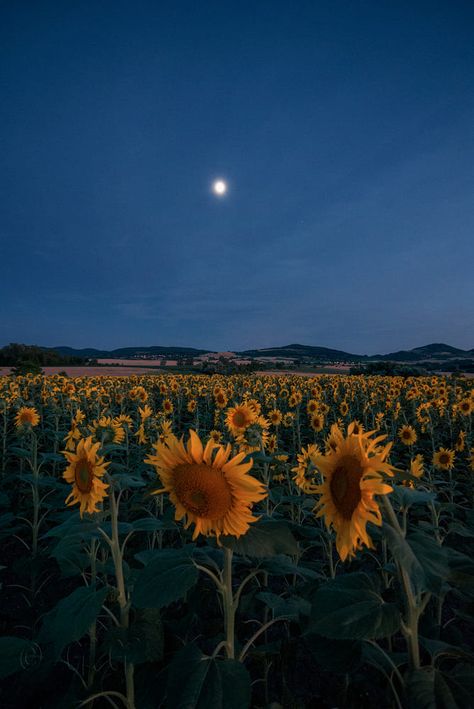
x: 83, y: 475
x: 345, y: 485
x: 202, y: 490
x: 239, y: 419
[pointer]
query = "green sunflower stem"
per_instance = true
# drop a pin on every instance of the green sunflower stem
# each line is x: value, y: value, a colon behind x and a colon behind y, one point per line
x: 93, y: 627
x: 36, y: 496
x: 4, y: 440
x: 229, y: 605
x: 117, y: 556
x: 413, y: 610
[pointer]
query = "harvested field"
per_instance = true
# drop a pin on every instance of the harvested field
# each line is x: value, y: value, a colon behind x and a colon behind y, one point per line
x: 90, y: 371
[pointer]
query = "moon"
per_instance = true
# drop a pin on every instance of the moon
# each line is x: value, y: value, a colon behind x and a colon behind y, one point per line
x: 219, y: 187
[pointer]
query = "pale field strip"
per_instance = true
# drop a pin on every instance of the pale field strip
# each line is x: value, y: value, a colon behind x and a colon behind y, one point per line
x: 141, y: 370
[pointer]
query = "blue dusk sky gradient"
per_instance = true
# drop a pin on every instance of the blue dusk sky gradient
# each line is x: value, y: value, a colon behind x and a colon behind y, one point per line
x: 344, y: 128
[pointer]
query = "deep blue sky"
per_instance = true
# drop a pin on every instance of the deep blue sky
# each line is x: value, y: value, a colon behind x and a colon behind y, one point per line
x: 345, y: 129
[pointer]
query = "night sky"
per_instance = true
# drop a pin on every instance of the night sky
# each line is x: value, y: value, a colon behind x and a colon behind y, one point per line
x: 345, y: 130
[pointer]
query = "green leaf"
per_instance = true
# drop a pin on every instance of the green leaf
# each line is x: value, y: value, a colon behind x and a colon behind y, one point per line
x: 438, y: 648
x: 407, y: 496
x: 166, y: 578
x: 264, y: 538
x: 52, y: 458
x: 12, y: 652
x: 19, y: 452
x: 434, y: 560
x: 141, y: 642
x: 429, y: 688
x: 405, y: 556
x: 125, y: 482
x: 72, y: 617
x: 461, y: 572
x: 69, y: 549
x: 258, y: 457
x: 281, y: 565
x: 73, y: 524
x: 382, y: 660
x: 461, y: 530
x: 199, y: 682
x: 350, y: 607
x: 71, y: 555
x: 151, y: 524
x: 339, y: 656
x: 292, y: 607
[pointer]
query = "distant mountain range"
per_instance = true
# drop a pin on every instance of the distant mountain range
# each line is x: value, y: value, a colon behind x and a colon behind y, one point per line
x: 127, y: 352
x: 434, y: 352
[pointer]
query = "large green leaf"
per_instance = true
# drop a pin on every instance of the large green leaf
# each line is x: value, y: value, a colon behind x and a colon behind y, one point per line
x: 264, y: 538
x: 439, y: 648
x: 71, y: 618
x: 167, y: 578
x: 199, y: 682
x: 290, y: 608
x: 407, y: 496
x: 12, y: 651
x: 429, y: 688
x: 405, y: 556
x: 141, y: 642
x: 425, y: 561
x: 434, y: 560
x: 281, y: 565
x: 341, y: 656
x: 152, y: 524
x: 350, y: 607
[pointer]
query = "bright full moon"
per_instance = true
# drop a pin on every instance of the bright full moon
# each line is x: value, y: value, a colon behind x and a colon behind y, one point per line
x: 219, y: 187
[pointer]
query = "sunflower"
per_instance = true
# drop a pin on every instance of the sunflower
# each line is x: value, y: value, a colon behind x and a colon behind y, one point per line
x: 107, y: 430
x: 272, y: 444
x: 79, y: 417
x: 317, y: 422
x: 167, y: 406
x: 254, y: 404
x: 215, y: 435
x: 460, y: 443
x: 141, y: 435
x: 344, y: 408
x: 145, y: 413
x: 293, y: 401
x: 443, y: 459
x: 275, y: 417
x: 27, y: 416
x: 85, y: 471
x: 306, y: 467
x: 355, y: 427
x: 334, y: 438
x: 416, y: 466
x: 239, y: 417
x: 255, y: 437
x: 407, y: 435
x: 191, y: 407
x: 123, y: 420
x: 138, y: 392
x: 221, y: 399
x: 166, y: 430
x: 465, y: 406
x: 210, y: 490
x: 352, y: 475
x: 72, y: 437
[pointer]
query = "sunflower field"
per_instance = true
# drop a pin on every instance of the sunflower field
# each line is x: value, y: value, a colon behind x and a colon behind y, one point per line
x: 184, y: 541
